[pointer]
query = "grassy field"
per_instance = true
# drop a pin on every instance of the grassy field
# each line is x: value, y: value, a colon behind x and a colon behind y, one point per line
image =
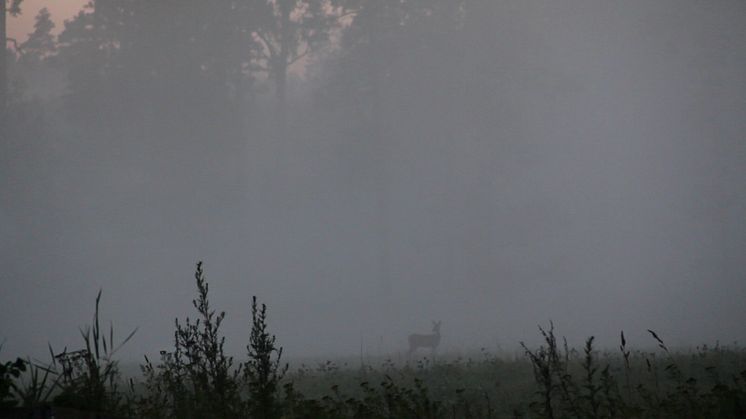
x: 196, y: 379
x: 550, y: 381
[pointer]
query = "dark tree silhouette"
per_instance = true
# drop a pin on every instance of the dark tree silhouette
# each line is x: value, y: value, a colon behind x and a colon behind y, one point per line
x: 41, y: 42
x: 385, y: 51
x: 13, y: 8
x: 288, y: 30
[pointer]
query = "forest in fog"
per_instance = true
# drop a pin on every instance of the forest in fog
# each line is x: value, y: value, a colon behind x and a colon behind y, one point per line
x: 367, y: 166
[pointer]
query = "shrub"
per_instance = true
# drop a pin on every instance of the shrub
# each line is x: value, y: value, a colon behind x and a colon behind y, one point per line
x: 9, y: 372
x: 263, y: 370
x: 197, y: 379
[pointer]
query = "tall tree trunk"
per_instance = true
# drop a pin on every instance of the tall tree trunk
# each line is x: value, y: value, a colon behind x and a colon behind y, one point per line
x: 281, y: 76
x: 3, y: 59
x: 382, y: 158
x: 281, y: 67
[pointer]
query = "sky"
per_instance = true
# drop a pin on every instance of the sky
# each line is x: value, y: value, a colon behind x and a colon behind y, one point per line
x: 581, y: 161
x: 20, y: 26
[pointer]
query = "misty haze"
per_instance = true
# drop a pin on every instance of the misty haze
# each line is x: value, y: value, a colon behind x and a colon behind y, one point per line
x: 376, y: 172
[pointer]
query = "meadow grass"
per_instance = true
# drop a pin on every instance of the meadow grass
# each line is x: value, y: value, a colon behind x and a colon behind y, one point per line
x: 196, y: 379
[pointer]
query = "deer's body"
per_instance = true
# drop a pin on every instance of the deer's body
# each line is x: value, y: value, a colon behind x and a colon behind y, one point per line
x: 425, y: 341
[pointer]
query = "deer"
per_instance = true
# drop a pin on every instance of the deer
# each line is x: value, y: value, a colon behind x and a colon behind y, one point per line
x: 425, y: 341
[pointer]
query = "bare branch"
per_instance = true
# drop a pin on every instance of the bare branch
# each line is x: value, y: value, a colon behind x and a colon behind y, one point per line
x: 344, y: 15
x: 16, y: 46
x: 299, y: 56
x: 267, y: 44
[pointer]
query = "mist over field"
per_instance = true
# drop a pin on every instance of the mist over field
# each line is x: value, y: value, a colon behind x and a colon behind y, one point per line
x: 365, y: 167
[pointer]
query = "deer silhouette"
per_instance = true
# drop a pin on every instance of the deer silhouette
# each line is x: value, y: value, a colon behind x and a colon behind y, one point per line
x: 425, y: 341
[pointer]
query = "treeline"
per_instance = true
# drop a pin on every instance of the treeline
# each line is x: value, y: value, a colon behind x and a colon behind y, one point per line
x: 139, y: 100
x: 133, y: 61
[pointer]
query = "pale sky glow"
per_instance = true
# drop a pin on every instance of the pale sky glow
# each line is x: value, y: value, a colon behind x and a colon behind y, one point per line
x: 19, y: 27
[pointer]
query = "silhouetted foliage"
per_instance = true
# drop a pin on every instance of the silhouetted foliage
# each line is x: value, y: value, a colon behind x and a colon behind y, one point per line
x: 41, y: 43
x: 572, y: 386
x: 197, y: 379
x: 9, y: 372
x: 263, y: 369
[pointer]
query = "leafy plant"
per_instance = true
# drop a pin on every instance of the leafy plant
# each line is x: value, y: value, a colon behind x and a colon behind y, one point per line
x: 9, y: 372
x: 197, y: 379
x: 264, y: 369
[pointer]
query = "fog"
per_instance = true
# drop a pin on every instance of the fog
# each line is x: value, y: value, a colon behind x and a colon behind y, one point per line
x: 365, y: 167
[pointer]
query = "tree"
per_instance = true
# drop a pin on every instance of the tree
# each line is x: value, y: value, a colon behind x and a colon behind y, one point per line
x: 88, y: 47
x: 12, y: 7
x: 288, y: 30
x: 141, y: 57
x: 390, y: 57
x: 40, y: 43
x: 35, y: 74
